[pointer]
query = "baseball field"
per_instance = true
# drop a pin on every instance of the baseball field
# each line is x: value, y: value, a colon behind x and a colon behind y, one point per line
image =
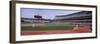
x: 47, y: 27
x: 29, y: 29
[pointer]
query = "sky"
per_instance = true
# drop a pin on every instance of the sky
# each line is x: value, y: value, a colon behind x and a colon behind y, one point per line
x: 45, y: 13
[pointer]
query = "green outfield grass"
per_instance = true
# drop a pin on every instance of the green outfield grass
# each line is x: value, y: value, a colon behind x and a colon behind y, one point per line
x: 51, y: 27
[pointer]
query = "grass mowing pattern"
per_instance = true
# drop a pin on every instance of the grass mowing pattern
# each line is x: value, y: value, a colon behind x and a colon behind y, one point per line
x: 53, y: 27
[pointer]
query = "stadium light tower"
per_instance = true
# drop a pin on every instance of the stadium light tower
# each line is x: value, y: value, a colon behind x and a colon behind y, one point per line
x: 37, y: 16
